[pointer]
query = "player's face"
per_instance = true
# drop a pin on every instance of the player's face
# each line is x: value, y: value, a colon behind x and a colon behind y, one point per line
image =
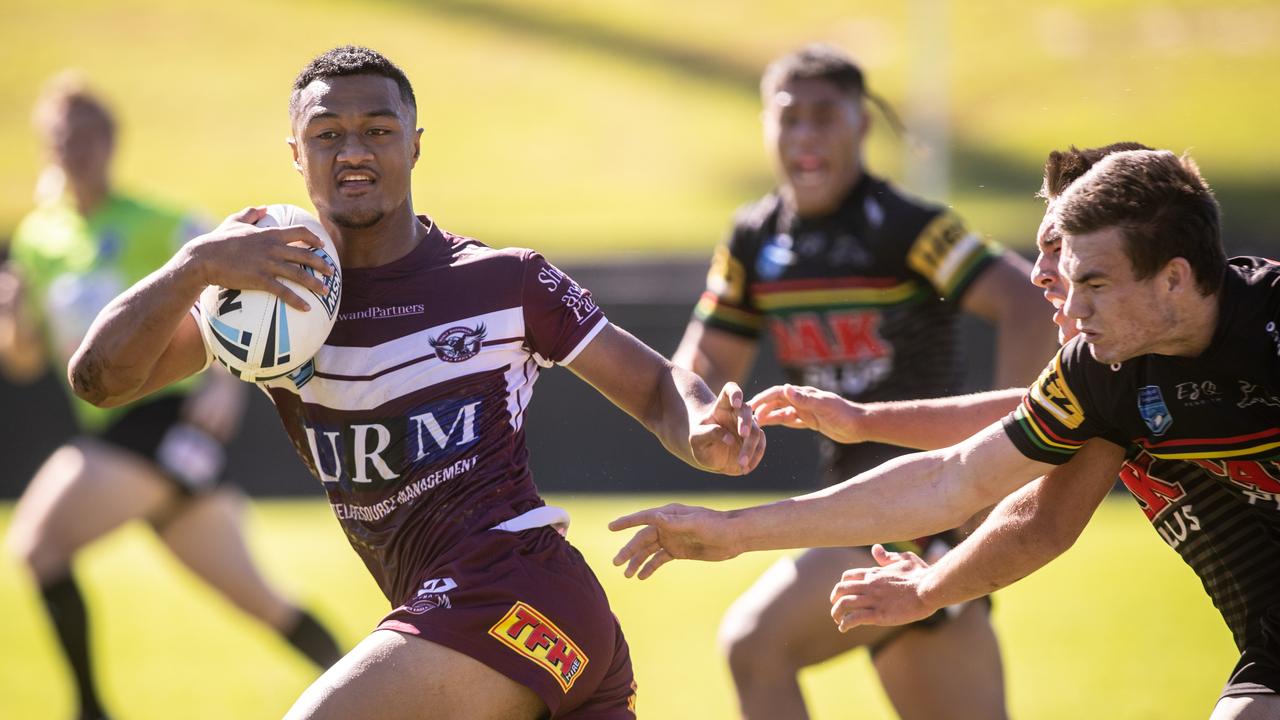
x: 815, y: 132
x: 355, y: 145
x: 1120, y: 316
x: 1045, y: 275
x: 79, y: 142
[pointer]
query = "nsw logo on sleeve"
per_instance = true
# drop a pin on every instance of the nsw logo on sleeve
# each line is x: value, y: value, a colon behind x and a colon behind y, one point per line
x: 531, y: 634
x: 1053, y: 395
x: 1155, y: 413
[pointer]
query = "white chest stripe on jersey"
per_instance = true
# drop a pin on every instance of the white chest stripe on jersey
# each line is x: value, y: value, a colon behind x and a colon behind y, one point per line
x: 365, y: 363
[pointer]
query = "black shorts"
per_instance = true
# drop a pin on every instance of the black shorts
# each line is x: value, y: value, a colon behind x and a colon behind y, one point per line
x: 189, y: 458
x: 1258, y: 671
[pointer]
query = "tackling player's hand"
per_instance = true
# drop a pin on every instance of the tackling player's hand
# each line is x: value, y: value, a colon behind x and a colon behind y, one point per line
x: 237, y: 254
x: 885, y: 595
x: 727, y: 438
x: 672, y: 532
x: 807, y: 408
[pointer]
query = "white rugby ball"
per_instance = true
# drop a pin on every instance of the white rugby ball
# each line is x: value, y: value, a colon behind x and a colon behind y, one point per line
x: 254, y: 333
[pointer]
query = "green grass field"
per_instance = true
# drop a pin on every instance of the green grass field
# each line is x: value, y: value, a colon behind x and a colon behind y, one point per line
x: 1117, y: 628
x: 588, y: 128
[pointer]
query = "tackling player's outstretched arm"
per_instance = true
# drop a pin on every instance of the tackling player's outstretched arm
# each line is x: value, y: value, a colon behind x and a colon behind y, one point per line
x: 716, y: 433
x: 907, y: 497
x: 919, y: 424
x: 146, y: 337
x: 1026, y: 531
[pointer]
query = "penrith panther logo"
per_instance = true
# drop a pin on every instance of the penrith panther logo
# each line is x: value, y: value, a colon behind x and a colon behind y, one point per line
x: 458, y: 343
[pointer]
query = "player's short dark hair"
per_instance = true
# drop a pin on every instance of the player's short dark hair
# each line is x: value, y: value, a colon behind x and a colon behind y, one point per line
x: 1162, y: 206
x: 1064, y: 167
x: 68, y: 91
x: 815, y: 61
x: 351, y: 60
x: 822, y: 61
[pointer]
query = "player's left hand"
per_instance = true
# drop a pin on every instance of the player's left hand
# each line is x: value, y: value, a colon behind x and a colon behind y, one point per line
x: 727, y: 439
x: 673, y: 532
x: 885, y: 595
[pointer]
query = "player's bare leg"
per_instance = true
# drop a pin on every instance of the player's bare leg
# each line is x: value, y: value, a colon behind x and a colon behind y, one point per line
x: 83, y: 491
x: 782, y: 624
x: 391, y: 676
x: 952, y: 670
x: 1247, y: 707
x: 207, y: 536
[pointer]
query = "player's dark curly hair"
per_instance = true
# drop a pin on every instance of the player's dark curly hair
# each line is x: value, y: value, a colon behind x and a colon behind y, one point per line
x: 1064, y: 167
x: 351, y: 60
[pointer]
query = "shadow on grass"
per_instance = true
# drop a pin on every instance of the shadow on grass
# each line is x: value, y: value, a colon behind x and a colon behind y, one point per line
x: 677, y: 58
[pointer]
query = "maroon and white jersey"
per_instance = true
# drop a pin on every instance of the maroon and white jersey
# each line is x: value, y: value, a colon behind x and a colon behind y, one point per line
x: 412, y: 413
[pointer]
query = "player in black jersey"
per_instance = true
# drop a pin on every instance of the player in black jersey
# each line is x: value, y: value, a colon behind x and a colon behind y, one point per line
x: 1161, y: 312
x: 859, y: 286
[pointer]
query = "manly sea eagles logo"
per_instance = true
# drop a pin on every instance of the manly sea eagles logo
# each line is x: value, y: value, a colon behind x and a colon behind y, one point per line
x: 458, y: 343
x: 1153, y: 410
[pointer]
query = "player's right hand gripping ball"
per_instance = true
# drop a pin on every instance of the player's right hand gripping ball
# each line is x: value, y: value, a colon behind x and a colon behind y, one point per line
x: 254, y: 333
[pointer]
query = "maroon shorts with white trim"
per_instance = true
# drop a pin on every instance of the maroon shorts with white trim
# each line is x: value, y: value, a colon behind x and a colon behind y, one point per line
x: 527, y: 605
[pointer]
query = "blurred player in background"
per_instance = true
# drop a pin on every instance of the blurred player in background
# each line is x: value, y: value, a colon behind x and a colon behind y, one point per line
x: 859, y: 285
x: 412, y: 416
x: 161, y: 459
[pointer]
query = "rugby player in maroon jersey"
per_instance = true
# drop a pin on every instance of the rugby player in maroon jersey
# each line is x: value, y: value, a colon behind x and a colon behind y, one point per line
x: 412, y: 417
x: 1202, y: 324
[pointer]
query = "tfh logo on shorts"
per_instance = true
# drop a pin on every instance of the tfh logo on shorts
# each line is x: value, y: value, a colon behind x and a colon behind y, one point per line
x: 529, y: 633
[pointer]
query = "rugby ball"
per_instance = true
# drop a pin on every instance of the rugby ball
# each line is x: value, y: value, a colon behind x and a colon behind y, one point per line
x: 254, y: 333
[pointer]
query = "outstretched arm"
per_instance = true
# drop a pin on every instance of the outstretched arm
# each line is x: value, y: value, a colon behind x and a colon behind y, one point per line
x: 907, y: 497
x: 714, y: 433
x: 146, y: 337
x: 919, y: 424
x: 1025, y: 532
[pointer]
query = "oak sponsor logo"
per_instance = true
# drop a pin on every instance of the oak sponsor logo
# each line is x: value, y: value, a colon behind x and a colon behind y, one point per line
x: 1163, y: 502
x: 529, y: 633
x: 1052, y: 393
x: 1257, y: 480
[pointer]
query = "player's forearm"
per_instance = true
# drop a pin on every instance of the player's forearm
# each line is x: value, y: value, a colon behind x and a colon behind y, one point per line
x: 908, y: 497
x: 1007, y: 547
x: 681, y: 396
x: 936, y: 423
x: 905, y: 498
x: 1027, y: 530
x: 120, y: 352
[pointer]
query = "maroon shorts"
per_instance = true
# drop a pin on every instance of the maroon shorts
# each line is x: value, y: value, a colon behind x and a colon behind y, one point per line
x: 527, y: 605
